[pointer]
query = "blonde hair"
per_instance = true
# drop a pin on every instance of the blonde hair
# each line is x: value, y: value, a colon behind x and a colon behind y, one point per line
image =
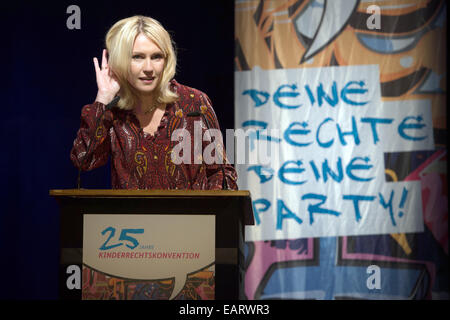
x: 119, y: 43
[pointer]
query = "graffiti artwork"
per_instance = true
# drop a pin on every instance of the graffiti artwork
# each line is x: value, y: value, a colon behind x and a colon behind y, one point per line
x: 405, y: 41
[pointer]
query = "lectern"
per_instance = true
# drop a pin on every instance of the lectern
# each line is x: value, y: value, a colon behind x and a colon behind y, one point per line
x: 226, y: 211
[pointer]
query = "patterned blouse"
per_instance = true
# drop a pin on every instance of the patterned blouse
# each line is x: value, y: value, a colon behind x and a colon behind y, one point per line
x: 143, y: 161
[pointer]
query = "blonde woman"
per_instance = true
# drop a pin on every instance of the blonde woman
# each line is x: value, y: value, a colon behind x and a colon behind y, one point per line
x: 138, y: 66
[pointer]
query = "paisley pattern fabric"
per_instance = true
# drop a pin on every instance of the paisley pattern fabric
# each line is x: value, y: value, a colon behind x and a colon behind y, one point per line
x: 143, y: 161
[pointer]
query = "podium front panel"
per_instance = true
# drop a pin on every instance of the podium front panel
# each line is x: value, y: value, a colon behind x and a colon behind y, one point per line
x: 229, y: 232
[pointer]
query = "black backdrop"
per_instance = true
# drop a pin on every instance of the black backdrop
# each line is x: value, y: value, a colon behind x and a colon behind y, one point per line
x: 47, y: 76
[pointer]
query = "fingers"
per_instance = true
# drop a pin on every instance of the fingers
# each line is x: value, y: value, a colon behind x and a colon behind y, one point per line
x: 112, y: 74
x: 104, y: 60
x: 104, y: 63
x: 97, y: 68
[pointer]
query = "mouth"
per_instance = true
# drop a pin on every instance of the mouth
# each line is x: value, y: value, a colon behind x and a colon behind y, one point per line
x: 147, y: 80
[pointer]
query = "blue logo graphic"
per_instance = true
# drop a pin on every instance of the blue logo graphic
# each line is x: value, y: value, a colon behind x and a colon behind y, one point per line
x: 123, y: 238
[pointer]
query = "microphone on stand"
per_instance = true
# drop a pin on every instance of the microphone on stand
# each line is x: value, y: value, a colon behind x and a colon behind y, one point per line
x: 109, y: 106
x: 198, y: 114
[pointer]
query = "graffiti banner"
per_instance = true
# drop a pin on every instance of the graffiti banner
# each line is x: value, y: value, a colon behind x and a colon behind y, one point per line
x: 343, y: 105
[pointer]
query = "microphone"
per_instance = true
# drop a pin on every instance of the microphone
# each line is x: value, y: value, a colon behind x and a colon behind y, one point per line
x: 113, y: 103
x: 109, y: 106
x: 198, y: 114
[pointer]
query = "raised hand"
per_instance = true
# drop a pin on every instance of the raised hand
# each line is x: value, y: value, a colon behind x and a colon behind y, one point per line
x: 107, y: 84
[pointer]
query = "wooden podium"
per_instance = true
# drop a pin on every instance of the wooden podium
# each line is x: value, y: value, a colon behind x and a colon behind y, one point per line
x: 232, y: 210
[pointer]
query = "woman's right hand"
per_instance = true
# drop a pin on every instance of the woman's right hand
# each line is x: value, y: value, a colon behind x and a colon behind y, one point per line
x: 107, y: 84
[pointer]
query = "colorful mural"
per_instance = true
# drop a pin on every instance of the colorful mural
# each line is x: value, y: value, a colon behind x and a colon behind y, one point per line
x: 407, y: 40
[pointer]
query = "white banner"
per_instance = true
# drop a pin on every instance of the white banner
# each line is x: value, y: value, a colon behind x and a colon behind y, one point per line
x: 315, y: 159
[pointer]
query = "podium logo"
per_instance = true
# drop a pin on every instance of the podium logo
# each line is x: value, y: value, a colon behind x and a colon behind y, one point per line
x: 149, y: 247
x: 125, y: 238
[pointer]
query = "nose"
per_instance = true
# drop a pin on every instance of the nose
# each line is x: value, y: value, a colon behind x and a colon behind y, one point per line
x: 148, y: 66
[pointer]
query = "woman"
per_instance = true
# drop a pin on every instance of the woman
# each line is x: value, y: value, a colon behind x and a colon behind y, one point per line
x: 139, y: 68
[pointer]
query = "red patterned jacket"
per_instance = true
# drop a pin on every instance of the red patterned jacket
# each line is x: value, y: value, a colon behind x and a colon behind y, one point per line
x: 143, y: 161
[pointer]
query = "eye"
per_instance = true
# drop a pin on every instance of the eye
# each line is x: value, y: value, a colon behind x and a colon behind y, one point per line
x: 389, y: 45
x: 137, y: 56
x: 157, y: 56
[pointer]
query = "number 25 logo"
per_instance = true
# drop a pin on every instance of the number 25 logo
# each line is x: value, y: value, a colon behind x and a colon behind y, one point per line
x: 124, y: 236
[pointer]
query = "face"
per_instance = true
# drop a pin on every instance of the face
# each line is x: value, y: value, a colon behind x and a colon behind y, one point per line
x: 147, y: 65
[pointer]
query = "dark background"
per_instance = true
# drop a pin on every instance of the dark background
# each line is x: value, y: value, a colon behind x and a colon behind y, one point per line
x: 47, y: 77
